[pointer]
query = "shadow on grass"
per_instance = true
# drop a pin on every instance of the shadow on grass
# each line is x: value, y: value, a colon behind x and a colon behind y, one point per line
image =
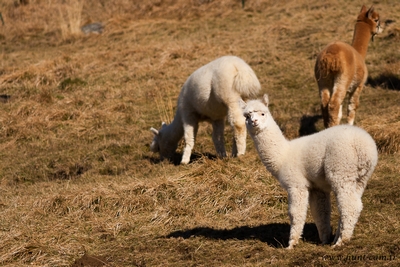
x: 5, y: 98
x: 177, y: 157
x: 386, y: 80
x: 275, y: 234
x: 196, y: 156
x: 307, y: 124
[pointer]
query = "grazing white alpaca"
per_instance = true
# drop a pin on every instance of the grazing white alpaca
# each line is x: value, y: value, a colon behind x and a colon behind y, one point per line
x: 210, y: 93
x: 340, y: 69
x: 339, y: 159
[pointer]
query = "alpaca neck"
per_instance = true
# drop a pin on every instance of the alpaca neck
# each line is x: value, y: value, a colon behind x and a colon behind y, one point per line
x: 361, y: 37
x: 174, y: 130
x: 271, y: 146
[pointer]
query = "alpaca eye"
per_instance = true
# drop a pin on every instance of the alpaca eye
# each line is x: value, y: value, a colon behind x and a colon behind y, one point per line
x: 262, y: 114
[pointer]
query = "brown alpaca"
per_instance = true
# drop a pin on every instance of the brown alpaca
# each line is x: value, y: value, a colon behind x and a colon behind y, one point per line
x: 340, y: 69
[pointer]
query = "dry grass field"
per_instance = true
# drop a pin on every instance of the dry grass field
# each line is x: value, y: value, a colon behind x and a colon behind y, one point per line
x: 78, y: 183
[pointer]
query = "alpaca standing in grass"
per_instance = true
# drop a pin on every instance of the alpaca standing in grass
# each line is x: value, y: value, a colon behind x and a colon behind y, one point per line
x: 340, y: 69
x: 210, y: 93
x: 339, y: 159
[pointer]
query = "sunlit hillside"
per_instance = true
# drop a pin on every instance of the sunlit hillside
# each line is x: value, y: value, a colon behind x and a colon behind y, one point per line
x: 78, y: 182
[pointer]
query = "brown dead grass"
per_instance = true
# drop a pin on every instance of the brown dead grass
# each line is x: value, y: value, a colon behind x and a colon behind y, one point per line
x: 77, y: 179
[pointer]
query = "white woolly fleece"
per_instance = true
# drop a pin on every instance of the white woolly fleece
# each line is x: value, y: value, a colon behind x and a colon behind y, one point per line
x: 339, y: 159
x: 210, y: 93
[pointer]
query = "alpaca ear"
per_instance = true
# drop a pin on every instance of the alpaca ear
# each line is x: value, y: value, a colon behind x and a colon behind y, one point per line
x: 369, y: 12
x: 265, y: 99
x: 242, y: 104
x: 363, y: 9
x: 154, y: 131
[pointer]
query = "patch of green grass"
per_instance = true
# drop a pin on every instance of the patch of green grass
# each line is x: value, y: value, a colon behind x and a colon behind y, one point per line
x: 69, y: 84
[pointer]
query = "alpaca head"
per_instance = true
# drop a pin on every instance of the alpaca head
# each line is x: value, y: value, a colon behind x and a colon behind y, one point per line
x: 257, y: 114
x: 161, y: 142
x: 370, y: 17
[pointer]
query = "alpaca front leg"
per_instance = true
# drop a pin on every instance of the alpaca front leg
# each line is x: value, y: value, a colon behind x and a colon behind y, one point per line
x: 218, y: 137
x: 298, y: 200
x: 190, y: 132
x: 320, y: 206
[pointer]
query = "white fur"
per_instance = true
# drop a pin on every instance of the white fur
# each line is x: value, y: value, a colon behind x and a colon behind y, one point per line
x: 339, y: 159
x: 211, y: 93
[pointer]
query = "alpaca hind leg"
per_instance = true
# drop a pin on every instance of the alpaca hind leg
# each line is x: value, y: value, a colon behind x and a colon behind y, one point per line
x: 190, y: 132
x: 325, y: 96
x: 298, y: 200
x: 335, y: 106
x: 337, y: 233
x: 358, y: 192
x: 218, y: 137
x: 350, y: 206
x: 320, y: 206
x: 238, y: 123
x: 354, y: 101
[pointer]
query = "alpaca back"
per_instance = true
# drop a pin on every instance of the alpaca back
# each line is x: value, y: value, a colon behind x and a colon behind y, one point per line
x: 231, y: 74
x: 339, y: 58
x: 211, y: 89
x: 341, y: 138
x: 345, y: 145
x: 331, y: 150
x: 363, y: 145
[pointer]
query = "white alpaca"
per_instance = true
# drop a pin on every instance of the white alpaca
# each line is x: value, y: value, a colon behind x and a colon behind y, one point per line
x: 210, y: 93
x: 339, y: 159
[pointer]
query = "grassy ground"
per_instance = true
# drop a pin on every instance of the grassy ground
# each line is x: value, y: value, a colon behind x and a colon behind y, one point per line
x: 78, y: 183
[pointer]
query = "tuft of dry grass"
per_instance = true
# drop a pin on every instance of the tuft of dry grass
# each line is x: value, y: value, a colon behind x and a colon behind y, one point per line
x: 71, y: 22
x: 78, y: 183
x: 387, y: 139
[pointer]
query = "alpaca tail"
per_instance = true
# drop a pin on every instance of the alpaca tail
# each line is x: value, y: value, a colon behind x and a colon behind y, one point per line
x: 326, y: 65
x: 246, y: 82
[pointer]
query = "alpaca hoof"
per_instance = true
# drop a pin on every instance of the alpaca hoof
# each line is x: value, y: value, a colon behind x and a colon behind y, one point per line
x: 185, y: 161
x: 337, y: 244
x: 292, y: 244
